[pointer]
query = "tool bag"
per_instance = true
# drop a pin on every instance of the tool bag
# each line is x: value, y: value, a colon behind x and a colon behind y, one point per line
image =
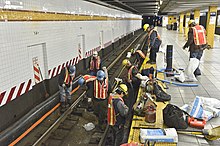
x: 174, y: 117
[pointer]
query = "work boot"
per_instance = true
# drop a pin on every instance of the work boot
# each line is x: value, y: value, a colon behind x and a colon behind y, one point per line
x: 160, y: 94
x: 197, y: 72
x: 69, y: 101
x: 63, y: 107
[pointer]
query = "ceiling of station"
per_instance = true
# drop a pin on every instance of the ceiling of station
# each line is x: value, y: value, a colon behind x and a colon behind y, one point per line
x: 178, y: 6
x: 152, y: 7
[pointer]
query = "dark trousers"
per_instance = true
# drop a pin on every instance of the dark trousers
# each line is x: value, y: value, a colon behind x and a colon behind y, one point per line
x: 118, y: 134
x: 196, y: 54
x: 153, y: 54
x: 100, y: 110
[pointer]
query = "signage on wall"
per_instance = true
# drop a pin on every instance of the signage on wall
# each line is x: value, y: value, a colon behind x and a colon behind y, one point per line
x: 212, y: 18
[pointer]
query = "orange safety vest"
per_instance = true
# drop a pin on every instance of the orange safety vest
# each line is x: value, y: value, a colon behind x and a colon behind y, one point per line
x: 111, y: 111
x: 141, y: 54
x: 89, y: 78
x: 67, y: 78
x: 95, y: 65
x: 100, y: 89
x: 130, y: 74
x: 199, y: 35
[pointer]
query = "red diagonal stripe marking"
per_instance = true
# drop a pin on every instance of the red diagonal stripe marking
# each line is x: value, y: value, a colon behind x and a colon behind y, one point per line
x: 11, y: 94
x: 58, y: 69
x: 74, y: 61
x: 67, y: 63
x: 2, y: 96
x: 53, y: 72
x: 36, y: 69
x: 63, y: 65
x: 20, y: 89
x: 70, y: 62
x: 49, y: 72
x: 36, y: 77
x: 28, y: 86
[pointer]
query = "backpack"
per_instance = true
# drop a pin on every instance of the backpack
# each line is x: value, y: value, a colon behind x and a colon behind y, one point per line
x: 174, y: 117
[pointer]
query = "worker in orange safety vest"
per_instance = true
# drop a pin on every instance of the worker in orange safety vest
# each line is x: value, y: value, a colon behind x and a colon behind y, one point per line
x: 94, y: 64
x: 87, y: 80
x: 99, y: 90
x: 196, y: 42
x: 117, y: 113
x: 65, y: 85
x: 134, y: 79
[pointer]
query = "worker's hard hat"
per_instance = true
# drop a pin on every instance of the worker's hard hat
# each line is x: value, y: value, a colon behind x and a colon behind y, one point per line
x: 95, y: 53
x: 145, y: 26
x: 123, y: 88
x: 191, y: 21
x: 100, y: 75
x: 126, y: 62
x: 128, y: 55
x: 72, y: 70
x: 81, y: 81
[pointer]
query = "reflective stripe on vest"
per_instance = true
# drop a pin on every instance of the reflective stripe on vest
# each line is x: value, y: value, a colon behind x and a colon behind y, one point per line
x: 111, y: 111
x: 100, y: 89
x: 141, y: 54
x: 199, y: 35
x: 67, y: 77
x: 89, y: 78
x: 95, y: 65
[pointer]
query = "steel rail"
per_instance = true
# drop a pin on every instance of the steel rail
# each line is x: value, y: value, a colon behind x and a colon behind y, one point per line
x: 51, y: 129
x: 103, y: 139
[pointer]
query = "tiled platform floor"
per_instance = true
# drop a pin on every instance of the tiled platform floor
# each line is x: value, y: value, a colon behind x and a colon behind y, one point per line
x: 209, y: 81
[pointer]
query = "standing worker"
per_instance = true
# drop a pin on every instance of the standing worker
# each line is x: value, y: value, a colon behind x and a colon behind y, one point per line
x: 134, y: 78
x: 101, y: 89
x: 94, y: 64
x: 196, y: 42
x: 65, y: 85
x: 117, y: 113
x: 154, y: 42
x: 99, y: 92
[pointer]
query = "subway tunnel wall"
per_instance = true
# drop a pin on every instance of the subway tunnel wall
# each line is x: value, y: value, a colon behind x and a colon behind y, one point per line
x: 53, y: 34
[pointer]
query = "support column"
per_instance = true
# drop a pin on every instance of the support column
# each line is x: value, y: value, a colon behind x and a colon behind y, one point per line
x: 170, y: 20
x: 186, y: 24
x: 210, y: 25
x: 197, y: 16
x: 181, y: 23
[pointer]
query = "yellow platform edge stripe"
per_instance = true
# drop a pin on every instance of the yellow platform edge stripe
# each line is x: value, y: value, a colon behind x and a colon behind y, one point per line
x: 135, y: 133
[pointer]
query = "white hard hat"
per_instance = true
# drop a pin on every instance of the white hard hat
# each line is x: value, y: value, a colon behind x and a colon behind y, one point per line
x: 128, y: 55
x: 95, y: 53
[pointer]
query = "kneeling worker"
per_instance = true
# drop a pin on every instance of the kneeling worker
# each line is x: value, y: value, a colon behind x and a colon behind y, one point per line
x: 134, y: 78
x: 117, y: 113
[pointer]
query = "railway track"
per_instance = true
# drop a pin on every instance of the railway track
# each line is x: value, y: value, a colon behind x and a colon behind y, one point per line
x: 58, y: 128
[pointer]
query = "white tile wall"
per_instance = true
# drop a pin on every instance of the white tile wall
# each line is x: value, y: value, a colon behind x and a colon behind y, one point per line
x: 60, y: 37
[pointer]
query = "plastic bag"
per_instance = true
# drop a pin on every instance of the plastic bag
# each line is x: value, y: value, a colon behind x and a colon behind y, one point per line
x: 180, y: 77
x: 160, y: 60
x: 89, y: 126
x: 204, y: 108
x: 189, y: 72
